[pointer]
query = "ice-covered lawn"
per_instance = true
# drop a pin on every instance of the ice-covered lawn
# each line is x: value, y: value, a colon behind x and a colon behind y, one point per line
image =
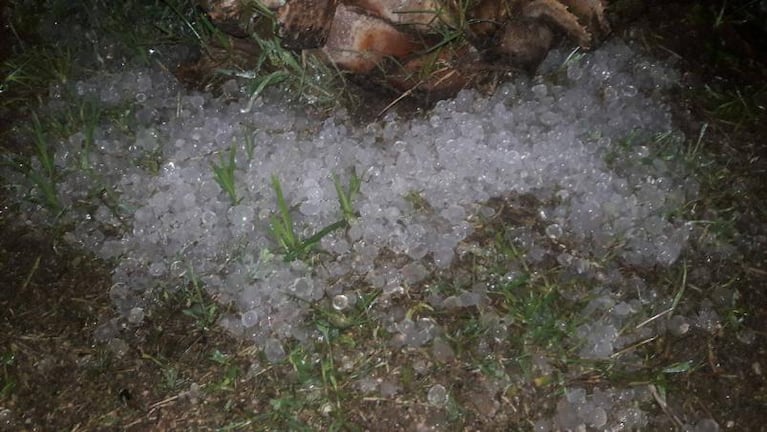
x: 582, y: 138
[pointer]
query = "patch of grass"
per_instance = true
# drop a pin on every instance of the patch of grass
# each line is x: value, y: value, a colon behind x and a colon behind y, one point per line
x: 223, y: 173
x: 676, y: 281
x: 641, y: 149
x: 419, y: 203
x: 317, y: 368
x: 575, y: 57
x: 307, y: 77
x: 314, y: 387
x: 284, y: 415
x: 171, y: 376
x: 88, y: 117
x: 171, y: 379
x: 7, y: 384
x: 72, y: 118
x: 198, y: 306
x: 537, y: 311
x: 729, y: 31
x: 129, y: 31
x: 46, y: 178
x: 250, y: 145
x: 328, y: 373
x: 346, y: 195
x: 193, y: 24
x: 140, y: 30
x: 736, y: 107
x: 28, y: 75
x: 723, y: 185
x: 284, y: 233
x: 39, y: 169
x: 150, y: 160
x: 231, y: 372
x: 81, y: 115
x: 712, y: 209
x: 351, y: 319
x: 465, y: 332
x: 304, y: 400
x: 282, y: 226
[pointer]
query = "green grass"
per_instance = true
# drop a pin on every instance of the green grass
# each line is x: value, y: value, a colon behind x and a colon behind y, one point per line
x: 171, y: 376
x: 8, y: 383
x: 333, y: 323
x: 250, y: 145
x: 231, y: 373
x: 39, y: 168
x: 39, y: 67
x: 223, y: 173
x: 736, y: 107
x: 284, y: 415
x: 346, y: 195
x: 85, y: 119
x: 46, y: 177
x: 132, y: 30
x: 283, y: 229
x: 27, y: 75
x: 713, y: 209
x: 197, y: 304
x: 538, y: 310
x: 311, y: 395
x: 76, y: 121
x: 417, y: 201
x: 306, y: 77
x: 321, y: 390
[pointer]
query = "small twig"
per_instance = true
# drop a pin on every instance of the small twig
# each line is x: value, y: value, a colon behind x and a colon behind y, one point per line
x: 397, y: 100
x: 756, y: 270
x: 653, y: 318
x: 636, y: 345
x: 31, y: 273
x: 712, y: 361
x: 410, y: 91
x: 661, y: 400
x: 161, y: 403
x: 394, y: 401
x: 670, y: 51
x: 674, y: 304
x: 694, y: 151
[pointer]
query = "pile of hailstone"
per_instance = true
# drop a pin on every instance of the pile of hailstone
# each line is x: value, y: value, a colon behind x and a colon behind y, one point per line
x: 551, y: 137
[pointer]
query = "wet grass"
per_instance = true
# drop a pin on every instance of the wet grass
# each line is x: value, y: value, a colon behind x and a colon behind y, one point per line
x: 223, y: 173
x: 283, y: 228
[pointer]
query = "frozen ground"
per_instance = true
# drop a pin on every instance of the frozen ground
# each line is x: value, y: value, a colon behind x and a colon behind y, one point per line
x: 575, y: 138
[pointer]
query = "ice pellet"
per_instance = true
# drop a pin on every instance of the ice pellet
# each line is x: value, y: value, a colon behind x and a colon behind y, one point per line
x: 437, y: 395
x: 340, y: 302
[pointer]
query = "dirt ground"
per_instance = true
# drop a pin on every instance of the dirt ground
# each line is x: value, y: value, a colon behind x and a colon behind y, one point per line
x: 54, y: 375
